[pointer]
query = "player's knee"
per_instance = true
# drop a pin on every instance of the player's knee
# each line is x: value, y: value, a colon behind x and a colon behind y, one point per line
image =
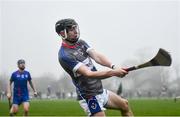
x: 26, y: 107
x: 125, y: 106
x: 14, y: 110
x: 26, y: 110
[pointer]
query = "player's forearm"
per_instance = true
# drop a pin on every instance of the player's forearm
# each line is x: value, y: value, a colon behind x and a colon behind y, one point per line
x: 100, y: 74
x: 9, y: 87
x: 95, y: 74
x: 32, y: 86
x: 84, y: 70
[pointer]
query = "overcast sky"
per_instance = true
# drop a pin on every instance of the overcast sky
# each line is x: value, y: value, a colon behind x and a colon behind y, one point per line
x: 118, y: 29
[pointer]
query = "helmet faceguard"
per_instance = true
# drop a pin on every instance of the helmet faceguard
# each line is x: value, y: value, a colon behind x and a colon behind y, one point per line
x: 63, y: 26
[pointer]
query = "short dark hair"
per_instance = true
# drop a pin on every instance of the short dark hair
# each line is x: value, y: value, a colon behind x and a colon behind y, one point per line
x: 20, y: 61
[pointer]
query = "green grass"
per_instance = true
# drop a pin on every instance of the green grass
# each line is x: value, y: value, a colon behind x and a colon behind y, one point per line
x: 141, y: 107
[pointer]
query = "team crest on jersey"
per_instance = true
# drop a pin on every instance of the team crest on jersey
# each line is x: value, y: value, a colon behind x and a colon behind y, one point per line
x: 22, y: 76
x: 75, y: 53
x: 80, y: 52
x: 17, y: 75
x: 26, y: 75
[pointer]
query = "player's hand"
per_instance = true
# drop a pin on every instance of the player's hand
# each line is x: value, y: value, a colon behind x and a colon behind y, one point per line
x: 120, y: 72
x: 35, y: 94
x: 9, y: 95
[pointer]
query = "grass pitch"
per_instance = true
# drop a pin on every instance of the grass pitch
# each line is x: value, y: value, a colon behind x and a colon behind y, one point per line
x: 140, y: 107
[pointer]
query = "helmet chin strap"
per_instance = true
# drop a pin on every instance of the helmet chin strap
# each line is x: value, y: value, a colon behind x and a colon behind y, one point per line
x: 65, y: 35
x: 69, y: 40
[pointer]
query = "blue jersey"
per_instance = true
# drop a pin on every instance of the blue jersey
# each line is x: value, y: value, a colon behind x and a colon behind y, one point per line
x: 20, y: 80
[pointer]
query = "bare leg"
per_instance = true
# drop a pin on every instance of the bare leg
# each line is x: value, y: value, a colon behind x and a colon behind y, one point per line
x: 13, y: 110
x: 118, y: 103
x: 102, y: 114
x: 26, y: 108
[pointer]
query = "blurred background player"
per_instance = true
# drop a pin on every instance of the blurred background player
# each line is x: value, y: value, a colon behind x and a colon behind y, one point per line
x: 164, y: 91
x: 49, y: 92
x: 177, y: 98
x: 20, y: 78
x: 75, y: 57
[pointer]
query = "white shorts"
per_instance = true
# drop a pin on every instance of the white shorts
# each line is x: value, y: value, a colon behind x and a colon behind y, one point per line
x: 96, y: 103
